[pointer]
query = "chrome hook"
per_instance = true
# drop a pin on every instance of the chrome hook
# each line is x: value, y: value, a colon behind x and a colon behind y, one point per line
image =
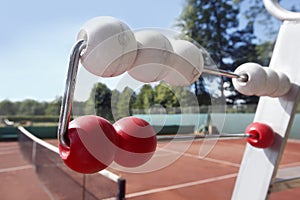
x: 66, y: 105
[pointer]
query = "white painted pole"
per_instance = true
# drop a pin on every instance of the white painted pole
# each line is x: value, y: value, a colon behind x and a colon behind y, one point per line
x: 259, y: 166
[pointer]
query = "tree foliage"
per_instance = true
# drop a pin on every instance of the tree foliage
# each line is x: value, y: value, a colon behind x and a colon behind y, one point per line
x: 99, y: 101
x: 165, y: 96
x: 7, y: 108
x: 53, y: 107
x: 29, y: 107
x: 111, y: 105
x: 125, y: 103
x: 216, y: 25
x: 211, y: 24
x: 145, y: 98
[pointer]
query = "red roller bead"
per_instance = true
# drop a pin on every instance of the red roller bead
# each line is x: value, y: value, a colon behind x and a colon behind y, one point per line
x: 261, y: 135
x: 136, y: 141
x: 91, y: 144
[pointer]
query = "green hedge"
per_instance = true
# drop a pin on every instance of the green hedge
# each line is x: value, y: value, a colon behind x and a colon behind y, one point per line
x: 43, y: 132
x: 8, y: 133
x: 33, y: 118
x: 173, y: 129
x: 47, y: 132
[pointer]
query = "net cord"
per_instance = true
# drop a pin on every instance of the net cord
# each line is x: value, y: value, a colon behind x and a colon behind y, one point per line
x: 53, y: 148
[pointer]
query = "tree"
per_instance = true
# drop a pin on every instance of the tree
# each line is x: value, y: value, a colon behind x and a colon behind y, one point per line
x: 145, y: 98
x: 264, y: 51
x: 215, y: 24
x: 211, y: 24
x: 78, y: 108
x: 256, y: 14
x: 7, y: 108
x: 31, y: 107
x: 53, y: 107
x: 259, y: 16
x: 260, y: 49
x: 243, y: 46
x: 184, y: 96
x: 201, y: 92
x: 174, y: 97
x: 99, y: 102
x: 115, y: 97
x: 165, y: 96
x: 125, y: 103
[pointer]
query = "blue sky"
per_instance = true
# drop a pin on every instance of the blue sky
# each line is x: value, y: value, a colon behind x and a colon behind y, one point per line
x: 36, y: 38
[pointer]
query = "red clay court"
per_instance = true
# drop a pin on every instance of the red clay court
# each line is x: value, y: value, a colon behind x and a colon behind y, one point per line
x: 189, y: 177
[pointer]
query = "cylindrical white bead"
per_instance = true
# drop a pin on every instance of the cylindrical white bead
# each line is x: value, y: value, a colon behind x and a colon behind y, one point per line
x: 257, y: 78
x: 188, y: 64
x: 271, y: 84
x: 111, y: 46
x: 283, y: 87
x: 153, y: 59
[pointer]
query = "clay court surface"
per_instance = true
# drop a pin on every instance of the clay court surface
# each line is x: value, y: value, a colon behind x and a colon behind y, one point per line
x: 189, y: 177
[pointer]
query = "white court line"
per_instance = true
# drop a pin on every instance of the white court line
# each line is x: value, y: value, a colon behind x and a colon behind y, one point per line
x: 205, y: 158
x: 10, y: 169
x: 297, y: 141
x: 221, y: 162
x: 289, y: 165
x: 8, y: 152
x: 173, y: 187
x: 9, y: 148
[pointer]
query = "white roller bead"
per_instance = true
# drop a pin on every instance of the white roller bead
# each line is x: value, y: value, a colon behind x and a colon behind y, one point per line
x: 271, y: 84
x: 111, y: 46
x: 188, y: 64
x: 153, y: 58
x: 256, y: 82
x: 283, y: 87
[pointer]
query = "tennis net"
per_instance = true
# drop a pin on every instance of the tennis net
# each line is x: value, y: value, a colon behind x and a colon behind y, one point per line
x: 59, y: 181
